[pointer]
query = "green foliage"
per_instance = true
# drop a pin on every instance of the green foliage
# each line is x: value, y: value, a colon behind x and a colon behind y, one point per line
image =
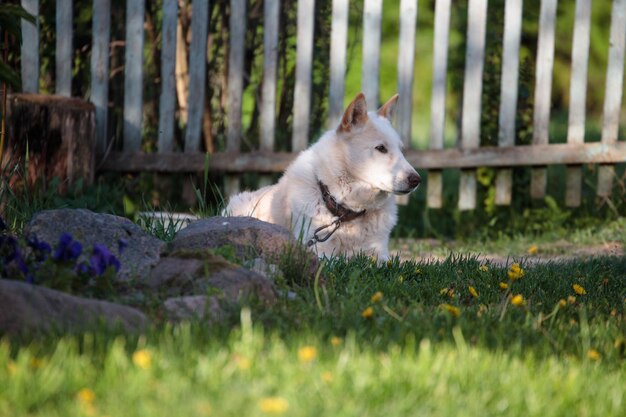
x: 412, y: 355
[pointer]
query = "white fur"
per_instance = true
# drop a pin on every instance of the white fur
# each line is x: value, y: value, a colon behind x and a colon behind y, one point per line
x: 357, y: 176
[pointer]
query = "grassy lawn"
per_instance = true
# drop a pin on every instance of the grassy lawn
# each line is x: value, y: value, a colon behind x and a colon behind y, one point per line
x: 406, y: 338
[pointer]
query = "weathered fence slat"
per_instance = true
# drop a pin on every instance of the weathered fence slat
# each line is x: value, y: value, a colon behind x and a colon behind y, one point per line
x: 338, y: 46
x: 100, y: 70
x: 133, y: 75
x: 578, y: 97
x: 265, y: 162
x: 235, y: 84
x: 237, y: 25
x: 304, y: 64
x: 270, y: 65
x: 543, y: 90
x: 30, y: 49
x: 438, y: 98
x: 271, y: 16
x: 197, y: 72
x: 63, y: 55
x: 508, y: 93
x: 406, y: 65
x: 167, y: 100
x: 472, y: 91
x: 372, y: 17
x: 613, y: 94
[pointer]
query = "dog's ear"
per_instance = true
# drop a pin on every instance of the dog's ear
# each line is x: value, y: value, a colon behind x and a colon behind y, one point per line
x: 389, y: 108
x: 355, y: 115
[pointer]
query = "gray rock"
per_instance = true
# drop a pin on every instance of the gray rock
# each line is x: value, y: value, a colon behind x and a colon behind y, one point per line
x: 193, y: 307
x: 200, y: 272
x: 141, y: 254
x: 250, y: 238
x: 26, y: 308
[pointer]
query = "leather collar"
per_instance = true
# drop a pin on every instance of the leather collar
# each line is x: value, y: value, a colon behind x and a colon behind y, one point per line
x: 343, y: 213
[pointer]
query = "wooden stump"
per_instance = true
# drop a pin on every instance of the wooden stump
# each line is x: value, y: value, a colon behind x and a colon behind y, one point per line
x: 59, y: 134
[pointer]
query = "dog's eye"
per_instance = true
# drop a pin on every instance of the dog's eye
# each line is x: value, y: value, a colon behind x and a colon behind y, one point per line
x: 381, y: 149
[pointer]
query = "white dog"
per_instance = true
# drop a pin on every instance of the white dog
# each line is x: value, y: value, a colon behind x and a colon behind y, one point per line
x: 338, y: 194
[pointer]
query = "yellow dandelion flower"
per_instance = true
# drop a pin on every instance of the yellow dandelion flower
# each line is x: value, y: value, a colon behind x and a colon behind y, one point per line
x: 86, y: 396
x: 335, y: 341
x: 273, y: 405
x: 327, y: 377
x: 483, y: 268
x: 532, y: 250
x: 307, y: 354
x: 503, y: 285
x: 571, y: 299
x: 447, y: 291
x: 203, y: 408
x: 367, y: 313
x: 377, y: 297
x: 390, y: 264
x: 518, y: 300
x: 418, y: 271
x: 473, y: 291
x: 579, y: 289
x: 11, y: 368
x: 36, y: 363
x: 562, y: 303
x: 401, y: 279
x: 593, y: 354
x: 455, y: 311
x: 142, y: 358
x: 515, y: 272
x: 243, y: 363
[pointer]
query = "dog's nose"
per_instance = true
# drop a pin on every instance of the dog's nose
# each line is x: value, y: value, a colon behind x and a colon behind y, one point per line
x: 414, y: 179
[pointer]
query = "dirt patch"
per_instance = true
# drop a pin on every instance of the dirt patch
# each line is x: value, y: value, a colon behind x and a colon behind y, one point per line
x: 432, y: 250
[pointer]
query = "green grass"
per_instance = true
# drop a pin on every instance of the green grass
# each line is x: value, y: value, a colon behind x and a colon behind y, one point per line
x: 411, y: 357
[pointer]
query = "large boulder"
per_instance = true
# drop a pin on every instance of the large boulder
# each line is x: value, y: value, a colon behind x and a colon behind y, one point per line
x: 250, y: 238
x: 137, y: 259
x: 27, y: 308
x: 201, y: 272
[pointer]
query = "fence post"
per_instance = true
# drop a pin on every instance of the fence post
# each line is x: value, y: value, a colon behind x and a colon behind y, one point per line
x: 508, y: 93
x: 304, y: 63
x: 64, y: 58
x: 235, y: 85
x: 578, y: 97
x: 543, y: 91
x: 197, y: 72
x: 472, y: 91
x: 438, y: 98
x: 271, y: 16
x: 167, y: 103
x: 338, y: 46
x: 613, y: 94
x: 372, y: 16
x: 133, y: 75
x: 100, y: 70
x: 30, y: 49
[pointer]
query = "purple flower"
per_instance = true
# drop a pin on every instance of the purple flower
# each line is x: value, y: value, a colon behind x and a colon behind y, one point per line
x: 121, y: 245
x: 68, y: 249
x: 41, y: 248
x: 102, y: 258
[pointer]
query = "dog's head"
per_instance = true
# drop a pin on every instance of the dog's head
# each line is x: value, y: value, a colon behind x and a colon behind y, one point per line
x: 373, y: 149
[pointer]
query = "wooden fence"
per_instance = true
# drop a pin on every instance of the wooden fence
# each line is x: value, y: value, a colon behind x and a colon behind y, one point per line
x: 468, y: 156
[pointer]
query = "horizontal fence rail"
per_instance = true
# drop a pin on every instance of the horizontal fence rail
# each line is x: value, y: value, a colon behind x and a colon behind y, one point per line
x: 184, y: 103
